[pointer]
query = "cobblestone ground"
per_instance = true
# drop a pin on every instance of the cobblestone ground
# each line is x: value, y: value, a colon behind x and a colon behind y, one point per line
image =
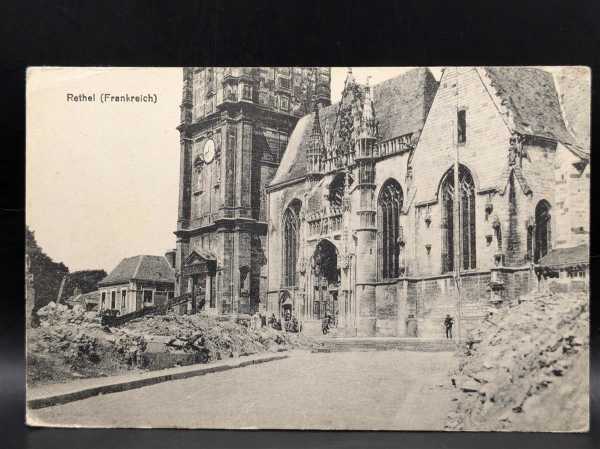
x: 348, y: 390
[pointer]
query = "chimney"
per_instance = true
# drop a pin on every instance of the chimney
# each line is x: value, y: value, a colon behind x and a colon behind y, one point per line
x: 170, y: 256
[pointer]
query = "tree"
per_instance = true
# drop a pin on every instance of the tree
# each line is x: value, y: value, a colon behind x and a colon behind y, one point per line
x: 47, y: 274
x: 83, y: 281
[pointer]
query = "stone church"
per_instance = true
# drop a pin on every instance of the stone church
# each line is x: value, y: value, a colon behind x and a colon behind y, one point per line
x: 414, y: 199
x: 293, y: 206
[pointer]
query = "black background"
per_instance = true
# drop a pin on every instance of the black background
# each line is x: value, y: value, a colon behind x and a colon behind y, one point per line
x: 178, y: 33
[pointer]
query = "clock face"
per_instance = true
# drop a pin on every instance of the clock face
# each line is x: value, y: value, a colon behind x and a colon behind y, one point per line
x: 209, y: 151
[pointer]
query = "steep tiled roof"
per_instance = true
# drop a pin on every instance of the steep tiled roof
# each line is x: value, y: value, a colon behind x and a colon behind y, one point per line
x: 574, y: 91
x: 141, y: 268
x: 563, y: 257
x: 531, y: 97
x: 401, y: 105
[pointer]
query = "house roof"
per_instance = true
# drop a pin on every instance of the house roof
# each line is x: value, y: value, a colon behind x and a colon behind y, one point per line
x: 140, y: 268
x: 85, y: 298
x: 401, y: 105
x: 564, y: 257
x: 532, y: 99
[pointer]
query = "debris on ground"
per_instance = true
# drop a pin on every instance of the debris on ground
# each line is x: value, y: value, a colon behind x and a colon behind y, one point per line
x: 526, y: 368
x: 71, y: 343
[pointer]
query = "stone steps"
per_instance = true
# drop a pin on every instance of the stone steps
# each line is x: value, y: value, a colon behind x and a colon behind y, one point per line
x: 383, y: 344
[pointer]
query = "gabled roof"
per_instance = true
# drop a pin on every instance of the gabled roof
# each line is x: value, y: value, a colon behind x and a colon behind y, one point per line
x: 401, y: 105
x: 564, y: 257
x: 140, y: 268
x: 532, y: 100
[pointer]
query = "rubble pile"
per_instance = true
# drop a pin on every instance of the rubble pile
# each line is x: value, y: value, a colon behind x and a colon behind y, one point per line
x: 71, y: 343
x: 55, y: 314
x: 527, y: 368
x: 220, y: 339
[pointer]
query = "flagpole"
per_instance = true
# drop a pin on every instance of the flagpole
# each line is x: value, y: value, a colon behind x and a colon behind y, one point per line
x: 457, y: 216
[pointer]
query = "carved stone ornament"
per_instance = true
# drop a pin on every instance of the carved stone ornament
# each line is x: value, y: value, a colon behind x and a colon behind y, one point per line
x: 496, y: 222
x: 302, y: 265
x: 499, y: 259
x: 515, y: 149
x: 347, y: 261
x: 198, y: 162
x: 428, y: 219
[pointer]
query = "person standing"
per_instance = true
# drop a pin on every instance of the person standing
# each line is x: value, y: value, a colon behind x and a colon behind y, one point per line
x: 448, y: 323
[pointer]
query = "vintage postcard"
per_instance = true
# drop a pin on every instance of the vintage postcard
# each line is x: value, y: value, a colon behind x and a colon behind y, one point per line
x: 370, y: 248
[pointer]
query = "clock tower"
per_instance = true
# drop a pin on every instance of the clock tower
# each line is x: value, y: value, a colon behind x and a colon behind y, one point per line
x: 235, y: 124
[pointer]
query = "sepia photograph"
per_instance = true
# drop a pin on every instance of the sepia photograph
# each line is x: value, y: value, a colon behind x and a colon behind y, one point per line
x: 323, y: 248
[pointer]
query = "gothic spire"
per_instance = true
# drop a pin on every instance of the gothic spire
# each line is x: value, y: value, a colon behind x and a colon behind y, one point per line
x: 349, y: 80
x: 369, y: 124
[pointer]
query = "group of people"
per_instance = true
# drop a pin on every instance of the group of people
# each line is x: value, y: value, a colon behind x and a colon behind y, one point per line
x: 290, y: 323
x: 258, y: 320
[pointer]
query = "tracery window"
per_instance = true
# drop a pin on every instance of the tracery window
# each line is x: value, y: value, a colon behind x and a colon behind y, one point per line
x: 466, y: 220
x: 542, y: 230
x: 291, y: 230
x: 389, y: 236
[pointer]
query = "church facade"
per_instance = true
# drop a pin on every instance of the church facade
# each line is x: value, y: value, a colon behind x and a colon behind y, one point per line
x: 234, y: 127
x: 416, y: 199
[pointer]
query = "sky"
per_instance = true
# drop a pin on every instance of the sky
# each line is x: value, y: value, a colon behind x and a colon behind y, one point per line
x: 102, y: 179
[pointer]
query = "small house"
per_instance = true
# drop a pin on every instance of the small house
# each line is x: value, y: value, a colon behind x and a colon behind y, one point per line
x: 136, y: 283
x: 565, y: 269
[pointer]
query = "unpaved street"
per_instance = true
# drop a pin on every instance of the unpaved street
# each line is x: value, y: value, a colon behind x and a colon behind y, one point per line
x: 348, y: 390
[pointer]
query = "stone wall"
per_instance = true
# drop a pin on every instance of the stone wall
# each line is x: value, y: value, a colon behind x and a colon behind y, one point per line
x: 484, y: 153
x: 572, y: 200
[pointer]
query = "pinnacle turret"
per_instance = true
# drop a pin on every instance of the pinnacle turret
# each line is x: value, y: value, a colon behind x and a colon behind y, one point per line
x: 368, y: 122
x: 316, y: 146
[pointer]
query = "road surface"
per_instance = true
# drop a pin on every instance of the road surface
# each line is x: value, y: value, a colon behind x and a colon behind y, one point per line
x: 390, y: 390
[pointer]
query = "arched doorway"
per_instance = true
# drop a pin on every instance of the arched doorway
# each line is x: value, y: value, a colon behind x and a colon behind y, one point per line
x: 326, y: 280
x: 286, y: 306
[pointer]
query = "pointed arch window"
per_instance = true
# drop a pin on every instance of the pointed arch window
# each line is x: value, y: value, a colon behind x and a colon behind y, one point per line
x: 291, y: 232
x: 542, y: 230
x: 467, y: 220
x: 389, y: 232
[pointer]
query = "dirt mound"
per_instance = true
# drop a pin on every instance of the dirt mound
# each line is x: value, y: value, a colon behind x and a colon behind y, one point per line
x: 527, y: 368
x: 71, y: 343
